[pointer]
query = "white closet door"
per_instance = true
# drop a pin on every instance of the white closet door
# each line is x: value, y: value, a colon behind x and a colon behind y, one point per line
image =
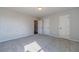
x: 46, y: 26
x: 64, y: 26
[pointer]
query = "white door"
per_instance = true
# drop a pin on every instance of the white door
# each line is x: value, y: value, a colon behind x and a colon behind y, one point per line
x: 40, y: 26
x: 64, y: 26
x: 46, y: 26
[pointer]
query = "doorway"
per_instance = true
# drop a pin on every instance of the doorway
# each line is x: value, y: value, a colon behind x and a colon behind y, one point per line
x: 35, y: 26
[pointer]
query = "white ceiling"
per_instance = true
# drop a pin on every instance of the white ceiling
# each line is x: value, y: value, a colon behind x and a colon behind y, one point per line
x: 33, y: 11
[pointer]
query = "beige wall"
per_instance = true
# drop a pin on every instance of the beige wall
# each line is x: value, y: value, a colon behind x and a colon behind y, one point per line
x: 54, y: 23
x: 14, y: 25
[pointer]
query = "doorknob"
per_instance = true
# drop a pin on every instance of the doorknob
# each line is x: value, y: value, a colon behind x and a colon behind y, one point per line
x: 60, y: 27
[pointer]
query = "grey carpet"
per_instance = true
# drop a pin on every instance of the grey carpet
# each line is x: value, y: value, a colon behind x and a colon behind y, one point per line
x: 47, y: 44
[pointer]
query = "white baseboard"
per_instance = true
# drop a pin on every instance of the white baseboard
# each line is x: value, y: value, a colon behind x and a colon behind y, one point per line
x: 15, y: 37
x: 73, y: 39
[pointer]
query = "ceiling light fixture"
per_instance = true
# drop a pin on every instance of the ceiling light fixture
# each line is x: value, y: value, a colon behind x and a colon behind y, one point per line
x: 39, y: 8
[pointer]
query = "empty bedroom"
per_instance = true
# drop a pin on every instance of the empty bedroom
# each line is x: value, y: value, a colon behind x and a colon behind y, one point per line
x: 39, y: 29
